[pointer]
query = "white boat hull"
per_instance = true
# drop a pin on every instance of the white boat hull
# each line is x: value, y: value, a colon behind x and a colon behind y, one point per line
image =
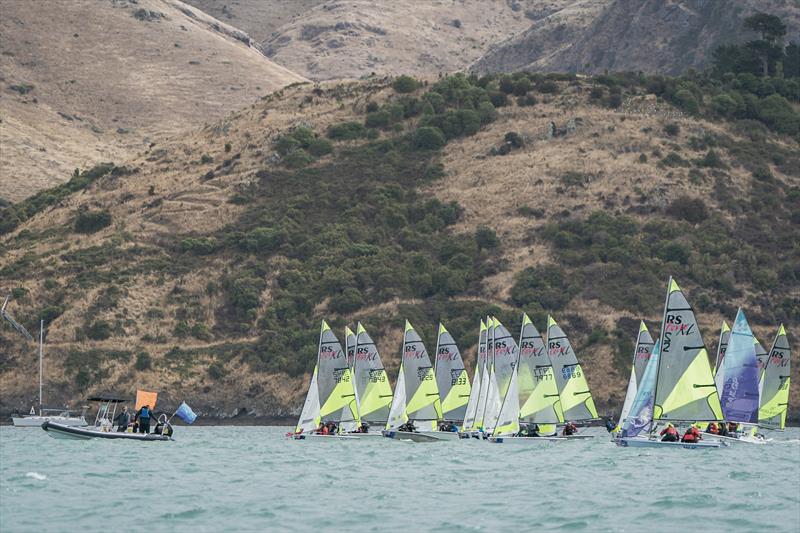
x: 525, y: 441
x: 61, y: 431
x: 743, y: 439
x: 411, y: 436
x: 644, y: 442
x: 315, y: 436
x: 30, y: 421
x: 442, y: 435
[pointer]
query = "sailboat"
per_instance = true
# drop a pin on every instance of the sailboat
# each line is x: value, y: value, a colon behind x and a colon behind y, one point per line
x: 775, y: 384
x: 577, y: 403
x: 471, y: 413
x: 740, y: 389
x: 65, y: 417
x: 475, y: 429
x: 532, y: 398
x: 416, y: 397
x: 641, y: 356
x: 373, y: 391
x: 452, y: 381
x: 502, y: 357
x: 678, y: 378
x: 331, y: 396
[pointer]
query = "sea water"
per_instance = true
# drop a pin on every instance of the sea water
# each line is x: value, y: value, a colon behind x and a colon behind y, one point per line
x: 253, y: 479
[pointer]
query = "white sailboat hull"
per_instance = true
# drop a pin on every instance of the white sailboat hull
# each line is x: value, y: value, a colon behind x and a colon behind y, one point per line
x: 644, y: 442
x: 31, y: 421
x: 314, y: 436
x: 442, y: 435
x: 411, y: 436
x: 525, y: 441
x: 743, y: 439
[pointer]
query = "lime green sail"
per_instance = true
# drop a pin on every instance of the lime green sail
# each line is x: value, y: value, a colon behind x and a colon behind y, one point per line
x: 538, y: 393
x: 451, y: 377
x: 685, y: 388
x: 337, y: 395
x: 371, y: 381
x: 419, y: 394
x: 576, y: 398
x: 775, y: 384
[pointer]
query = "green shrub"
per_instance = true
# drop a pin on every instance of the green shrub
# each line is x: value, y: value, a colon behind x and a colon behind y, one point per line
x: 672, y: 129
x: 686, y: 208
x: 320, y: 147
x: 205, y: 159
x: 547, y: 87
x: 298, y: 159
x: 498, y: 98
x: 99, y: 330
x: 347, y: 131
x: 687, y: 101
x: 543, y: 285
x: 198, y: 245
x: 522, y: 86
x: 92, y: 221
x: 143, y: 361
x: 378, y: 119
x: 486, y: 238
x: 348, y: 301
x: 405, y: 84
x: 429, y: 138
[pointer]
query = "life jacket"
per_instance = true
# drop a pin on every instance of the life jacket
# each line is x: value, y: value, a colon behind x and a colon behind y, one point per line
x: 712, y: 428
x: 144, y: 413
x: 324, y: 430
x: 690, y: 436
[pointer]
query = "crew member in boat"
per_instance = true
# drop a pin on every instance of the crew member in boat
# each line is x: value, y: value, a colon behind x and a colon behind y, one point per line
x: 669, y: 433
x: 143, y: 417
x: 408, y: 426
x: 122, y: 420
x: 692, y: 434
x: 163, y: 427
x: 569, y: 429
x: 713, y: 428
x: 733, y: 427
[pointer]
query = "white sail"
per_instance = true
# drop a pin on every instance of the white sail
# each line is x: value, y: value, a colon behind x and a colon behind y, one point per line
x: 309, y: 416
x: 480, y: 362
x: 507, y: 421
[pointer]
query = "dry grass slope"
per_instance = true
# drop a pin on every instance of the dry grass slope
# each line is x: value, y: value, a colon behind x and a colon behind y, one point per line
x: 107, y: 78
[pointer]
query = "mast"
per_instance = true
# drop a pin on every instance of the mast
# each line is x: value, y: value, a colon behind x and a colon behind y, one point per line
x: 660, y: 358
x: 41, y: 342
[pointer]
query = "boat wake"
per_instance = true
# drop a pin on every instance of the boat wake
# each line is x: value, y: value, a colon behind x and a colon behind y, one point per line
x: 35, y: 475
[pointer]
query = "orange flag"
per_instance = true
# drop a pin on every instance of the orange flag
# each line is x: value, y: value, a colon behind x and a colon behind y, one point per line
x: 144, y: 397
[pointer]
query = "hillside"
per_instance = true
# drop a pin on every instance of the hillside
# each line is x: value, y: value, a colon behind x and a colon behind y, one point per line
x: 653, y: 36
x: 86, y: 82
x: 257, y: 18
x: 202, y: 267
x: 353, y: 38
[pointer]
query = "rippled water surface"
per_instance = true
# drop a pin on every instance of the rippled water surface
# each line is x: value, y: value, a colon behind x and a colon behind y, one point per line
x: 252, y: 479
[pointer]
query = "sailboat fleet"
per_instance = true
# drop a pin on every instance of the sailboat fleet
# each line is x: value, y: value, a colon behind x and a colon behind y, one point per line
x: 748, y: 388
x: 524, y: 389
x: 520, y: 391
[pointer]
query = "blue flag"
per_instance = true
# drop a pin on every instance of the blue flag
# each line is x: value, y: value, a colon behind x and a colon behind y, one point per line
x: 185, y: 413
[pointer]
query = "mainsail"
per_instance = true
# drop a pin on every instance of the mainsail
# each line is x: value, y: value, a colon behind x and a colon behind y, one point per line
x: 640, y: 416
x: 419, y: 394
x: 483, y: 392
x: 576, y: 398
x: 685, y: 388
x: 507, y: 423
x: 641, y: 358
x: 724, y: 335
x: 740, y: 389
x: 480, y: 364
x: 775, y: 385
x: 372, y: 383
x: 503, y: 353
x: 538, y: 395
x: 309, y: 416
x: 337, y: 396
x: 350, y: 346
x: 722, y: 347
x: 451, y: 377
